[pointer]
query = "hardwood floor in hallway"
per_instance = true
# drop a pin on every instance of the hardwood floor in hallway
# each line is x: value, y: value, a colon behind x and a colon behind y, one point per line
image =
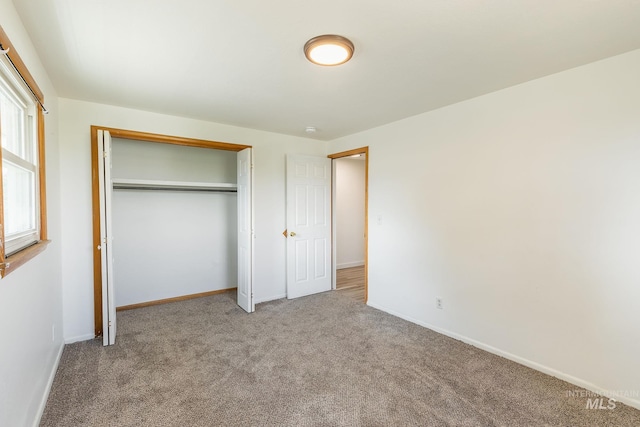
x: 350, y: 282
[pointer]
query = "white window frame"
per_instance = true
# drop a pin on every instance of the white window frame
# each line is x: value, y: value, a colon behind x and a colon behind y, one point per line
x: 12, y: 87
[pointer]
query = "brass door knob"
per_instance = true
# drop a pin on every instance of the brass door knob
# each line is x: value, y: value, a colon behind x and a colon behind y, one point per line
x: 292, y: 234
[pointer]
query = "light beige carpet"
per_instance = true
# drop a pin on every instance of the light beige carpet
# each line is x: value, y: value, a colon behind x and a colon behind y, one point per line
x: 322, y: 360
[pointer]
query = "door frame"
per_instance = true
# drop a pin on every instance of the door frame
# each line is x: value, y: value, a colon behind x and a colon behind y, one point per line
x: 342, y: 154
x: 95, y: 183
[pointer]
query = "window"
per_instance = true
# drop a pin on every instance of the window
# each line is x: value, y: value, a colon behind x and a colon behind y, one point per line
x: 19, y: 164
x: 22, y: 202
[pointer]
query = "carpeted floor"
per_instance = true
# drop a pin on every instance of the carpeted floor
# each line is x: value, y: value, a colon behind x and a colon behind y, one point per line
x: 322, y: 360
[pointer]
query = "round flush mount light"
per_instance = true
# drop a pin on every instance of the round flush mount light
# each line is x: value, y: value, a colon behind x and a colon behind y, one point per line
x: 328, y: 49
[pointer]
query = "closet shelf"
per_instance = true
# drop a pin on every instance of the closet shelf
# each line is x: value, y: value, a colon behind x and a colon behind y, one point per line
x: 147, y: 184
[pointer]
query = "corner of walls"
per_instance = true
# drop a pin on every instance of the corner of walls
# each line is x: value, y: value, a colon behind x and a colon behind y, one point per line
x: 517, y: 209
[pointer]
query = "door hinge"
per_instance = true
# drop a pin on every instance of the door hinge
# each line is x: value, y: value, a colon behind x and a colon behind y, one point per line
x: 109, y: 323
x: 104, y: 154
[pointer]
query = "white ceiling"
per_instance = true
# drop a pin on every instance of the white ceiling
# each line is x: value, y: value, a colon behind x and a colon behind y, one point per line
x: 241, y: 62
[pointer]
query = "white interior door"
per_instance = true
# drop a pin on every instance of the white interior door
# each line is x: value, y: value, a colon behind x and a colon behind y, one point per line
x: 308, y: 225
x: 245, y: 232
x: 106, y: 239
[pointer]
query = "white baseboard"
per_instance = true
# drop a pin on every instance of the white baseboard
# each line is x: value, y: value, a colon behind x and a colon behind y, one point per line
x: 349, y: 264
x: 45, y: 396
x: 635, y: 403
x: 85, y: 337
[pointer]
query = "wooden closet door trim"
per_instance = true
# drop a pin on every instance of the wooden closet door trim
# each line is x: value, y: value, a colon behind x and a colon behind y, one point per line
x: 97, y: 260
x: 168, y: 139
x: 95, y: 182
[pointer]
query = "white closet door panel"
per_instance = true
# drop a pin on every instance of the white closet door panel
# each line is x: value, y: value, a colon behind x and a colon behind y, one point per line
x: 245, y: 232
x: 106, y: 240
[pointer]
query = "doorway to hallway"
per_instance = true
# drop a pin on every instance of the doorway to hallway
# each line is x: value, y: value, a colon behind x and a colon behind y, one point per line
x: 349, y: 222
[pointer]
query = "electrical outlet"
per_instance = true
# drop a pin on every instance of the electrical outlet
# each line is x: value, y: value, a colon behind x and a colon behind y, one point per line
x: 439, y: 303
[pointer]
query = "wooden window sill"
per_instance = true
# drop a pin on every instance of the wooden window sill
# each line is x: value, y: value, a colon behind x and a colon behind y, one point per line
x: 18, y: 259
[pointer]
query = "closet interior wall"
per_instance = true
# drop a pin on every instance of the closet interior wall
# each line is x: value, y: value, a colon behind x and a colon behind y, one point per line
x: 167, y: 242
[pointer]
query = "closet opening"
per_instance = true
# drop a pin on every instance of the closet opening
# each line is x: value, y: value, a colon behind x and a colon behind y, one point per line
x: 172, y: 221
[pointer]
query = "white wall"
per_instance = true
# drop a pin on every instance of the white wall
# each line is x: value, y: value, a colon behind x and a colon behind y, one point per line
x: 31, y: 297
x: 269, y: 151
x: 349, y: 211
x: 520, y: 209
x: 168, y: 243
x: 154, y: 161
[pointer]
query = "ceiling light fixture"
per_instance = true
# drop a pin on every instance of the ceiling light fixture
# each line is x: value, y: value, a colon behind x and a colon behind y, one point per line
x: 328, y: 49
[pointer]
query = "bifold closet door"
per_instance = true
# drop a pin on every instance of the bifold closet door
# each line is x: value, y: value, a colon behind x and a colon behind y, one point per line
x: 106, y: 238
x: 245, y: 232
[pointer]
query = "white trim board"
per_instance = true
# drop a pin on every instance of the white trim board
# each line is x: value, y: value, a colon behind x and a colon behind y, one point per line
x: 635, y: 403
